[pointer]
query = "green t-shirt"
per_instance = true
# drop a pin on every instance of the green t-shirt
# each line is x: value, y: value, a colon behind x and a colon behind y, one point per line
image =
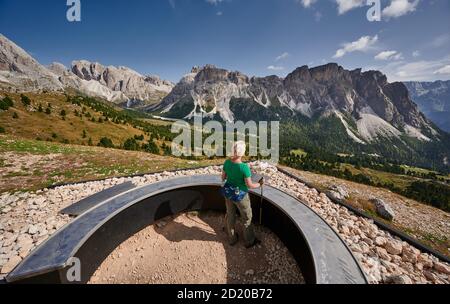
x: 236, y: 173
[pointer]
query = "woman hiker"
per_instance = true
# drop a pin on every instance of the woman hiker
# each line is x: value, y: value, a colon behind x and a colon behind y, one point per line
x: 238, y: 181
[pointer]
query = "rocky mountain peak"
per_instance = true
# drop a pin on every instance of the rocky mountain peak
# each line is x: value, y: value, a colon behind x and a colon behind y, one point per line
x: 433, y: 99
x: 378, y: 108
x: 19, y: 71
x: 300, y: 74
x: 58, y: 68
x: 195, y: 70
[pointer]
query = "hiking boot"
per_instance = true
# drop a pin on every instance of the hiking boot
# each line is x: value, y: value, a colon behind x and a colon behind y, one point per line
x: 255, y: 243
x: 234, y: 242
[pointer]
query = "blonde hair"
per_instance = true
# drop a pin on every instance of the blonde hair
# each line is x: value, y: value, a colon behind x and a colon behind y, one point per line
x: 239, y: 148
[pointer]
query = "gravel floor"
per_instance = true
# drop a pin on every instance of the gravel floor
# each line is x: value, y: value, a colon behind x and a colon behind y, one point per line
x: 193, y: 249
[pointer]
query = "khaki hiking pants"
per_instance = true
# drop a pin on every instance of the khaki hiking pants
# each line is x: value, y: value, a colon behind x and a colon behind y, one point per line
x: 245, y: 211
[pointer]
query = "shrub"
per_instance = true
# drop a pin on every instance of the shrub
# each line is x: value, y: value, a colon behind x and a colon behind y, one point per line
x: 3, y: 106
x: 15, y: 115
x: 139, y: 137
x: 48, y: 111
x: 40, y: 109
x: 106, y: 143
x: 151, y: 147
x: 2, y: 130
x: 6, y: 103
x: 25, y: 100
x: 167, y: 150
x: 131, y: 145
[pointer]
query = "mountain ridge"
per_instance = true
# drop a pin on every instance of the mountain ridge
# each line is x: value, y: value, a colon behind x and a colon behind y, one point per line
x: 367, y: 97
x: 122, y: 85
x: 433, y: 99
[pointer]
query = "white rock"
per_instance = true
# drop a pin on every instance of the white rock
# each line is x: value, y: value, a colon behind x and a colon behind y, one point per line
x: 394, y: 247
x: 410, y: 254
x: 399, y: 279
x: 11, y: 264
x: 425, y: 260
x: 442, y: 268
x: 429, y: 275
x: 382, y: 253
x: 33, y: 229
x: 380, y: 241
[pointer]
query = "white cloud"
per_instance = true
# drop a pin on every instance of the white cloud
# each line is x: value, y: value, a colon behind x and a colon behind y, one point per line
x: 422, y: 70
x: 219, y: 13
x: 282, y: 56
x: 416, y: 54
x: 363, y: 44
x: 347, y: 5
x: 214, y: 2
x: 307, y: 3
x: 172, y: 3
x: 444, y: 70
x: 440, y: 41
x: 275, y: 68
x: 389, y: 55
x: 399, y: 8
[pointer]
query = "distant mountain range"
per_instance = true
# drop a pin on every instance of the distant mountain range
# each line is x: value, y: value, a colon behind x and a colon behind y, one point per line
x: 326, y: 108
x: 19, y: 71
x: 433, y: 99
x: 323, y: 108
x: 368, y: 106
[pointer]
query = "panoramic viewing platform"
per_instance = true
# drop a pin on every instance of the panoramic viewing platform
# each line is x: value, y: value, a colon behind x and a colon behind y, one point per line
x: 320, y: 252
x: 216, y: 150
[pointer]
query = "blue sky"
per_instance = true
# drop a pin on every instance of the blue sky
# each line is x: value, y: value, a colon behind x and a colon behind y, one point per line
x: 257, y: 37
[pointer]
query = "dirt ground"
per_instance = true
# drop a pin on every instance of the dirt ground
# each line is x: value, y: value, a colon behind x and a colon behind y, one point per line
x: 193, y: 249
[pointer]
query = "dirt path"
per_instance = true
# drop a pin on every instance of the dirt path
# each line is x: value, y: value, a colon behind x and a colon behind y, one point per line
x: 193, y: 248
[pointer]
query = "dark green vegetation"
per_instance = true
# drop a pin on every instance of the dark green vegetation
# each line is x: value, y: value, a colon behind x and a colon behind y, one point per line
x: 81, y: 120
x: 435, y: 194
x: 6, y: 103
x: 25, y: 100
x: 424, y: 186
x: 119, y: 116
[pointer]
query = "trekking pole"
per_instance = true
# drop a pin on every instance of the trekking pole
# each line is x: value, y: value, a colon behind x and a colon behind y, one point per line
x: 260, y: 204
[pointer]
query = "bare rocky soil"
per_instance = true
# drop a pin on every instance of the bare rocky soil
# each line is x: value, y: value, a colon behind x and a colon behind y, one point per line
x: 27, y: 219
x: 193, y: 249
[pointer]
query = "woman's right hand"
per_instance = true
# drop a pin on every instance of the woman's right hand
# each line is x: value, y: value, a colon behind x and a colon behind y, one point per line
x: 261, y: 181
